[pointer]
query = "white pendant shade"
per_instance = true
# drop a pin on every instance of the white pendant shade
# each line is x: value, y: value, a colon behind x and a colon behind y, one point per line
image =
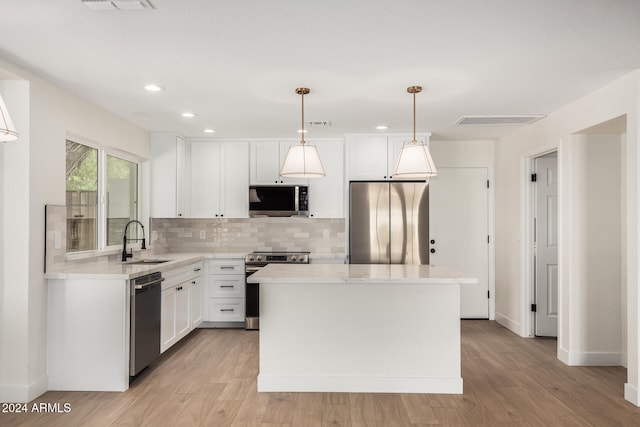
x: 302, y: 161
x: 7, y: 130
x: 415, y: 161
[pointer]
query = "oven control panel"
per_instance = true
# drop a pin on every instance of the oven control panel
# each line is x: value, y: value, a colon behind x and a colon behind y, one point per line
x: 277, y: 257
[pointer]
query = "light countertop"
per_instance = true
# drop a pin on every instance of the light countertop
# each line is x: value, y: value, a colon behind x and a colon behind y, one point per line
x: 359, y: 273
x: 126, y: 271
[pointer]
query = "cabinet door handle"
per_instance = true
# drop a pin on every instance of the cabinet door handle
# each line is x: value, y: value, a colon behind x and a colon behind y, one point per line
x: 226, y: 286
x: 227, y: 267
x: 197, y: 269
x: 179, y: 288
x: 193, y: 282
x: 227, y: 309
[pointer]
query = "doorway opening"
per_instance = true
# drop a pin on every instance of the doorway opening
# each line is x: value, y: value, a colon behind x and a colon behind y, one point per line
x: 545, y: 245
x: 595, y: 297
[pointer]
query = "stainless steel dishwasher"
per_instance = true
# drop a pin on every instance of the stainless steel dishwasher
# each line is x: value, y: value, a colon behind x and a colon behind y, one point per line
x: 145, y: 321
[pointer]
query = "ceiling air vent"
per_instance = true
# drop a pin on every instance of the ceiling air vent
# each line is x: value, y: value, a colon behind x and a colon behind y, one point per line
x: 118, y: 4
x: 499, y: 120
x: 319, y: 123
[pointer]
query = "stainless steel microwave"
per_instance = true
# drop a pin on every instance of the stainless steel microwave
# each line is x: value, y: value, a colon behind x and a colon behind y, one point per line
x: 278, y: 200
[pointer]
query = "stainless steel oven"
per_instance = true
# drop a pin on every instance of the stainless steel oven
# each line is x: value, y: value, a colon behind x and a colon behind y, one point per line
x: 254, y: 262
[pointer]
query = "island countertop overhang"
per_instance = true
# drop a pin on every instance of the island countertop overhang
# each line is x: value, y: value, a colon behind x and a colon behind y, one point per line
x: 359, y: 273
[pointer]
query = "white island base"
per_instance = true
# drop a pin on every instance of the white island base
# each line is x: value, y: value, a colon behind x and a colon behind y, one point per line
x: 359, y: 328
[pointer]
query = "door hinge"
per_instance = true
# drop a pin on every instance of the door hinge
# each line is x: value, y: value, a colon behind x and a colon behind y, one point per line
x: 534, y: 177
x: 534, y: 307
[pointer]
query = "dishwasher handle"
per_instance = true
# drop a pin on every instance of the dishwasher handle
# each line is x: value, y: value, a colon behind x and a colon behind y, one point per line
x: 155, y: 282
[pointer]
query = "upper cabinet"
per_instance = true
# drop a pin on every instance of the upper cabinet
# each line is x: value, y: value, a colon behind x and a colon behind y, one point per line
x: 373, y: 157
x: 168, y: 165
x: 219, y: 179
x: 210, y: 179
x: 326, y: 195
x: 265, y: 160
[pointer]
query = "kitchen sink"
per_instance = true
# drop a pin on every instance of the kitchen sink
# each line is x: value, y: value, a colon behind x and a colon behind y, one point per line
x: 146, y: 261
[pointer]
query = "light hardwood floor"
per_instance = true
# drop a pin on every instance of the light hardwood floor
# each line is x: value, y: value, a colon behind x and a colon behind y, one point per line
x: 210, y: 380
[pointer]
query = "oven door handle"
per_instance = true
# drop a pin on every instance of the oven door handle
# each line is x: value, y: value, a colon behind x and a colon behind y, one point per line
x: 251, y: 270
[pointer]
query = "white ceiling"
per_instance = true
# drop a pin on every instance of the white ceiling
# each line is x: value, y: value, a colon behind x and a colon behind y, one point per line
x: 236, y: 63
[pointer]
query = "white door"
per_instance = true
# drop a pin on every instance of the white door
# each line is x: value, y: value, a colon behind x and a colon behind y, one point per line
x: 459, y: 232
x: 546, y: 246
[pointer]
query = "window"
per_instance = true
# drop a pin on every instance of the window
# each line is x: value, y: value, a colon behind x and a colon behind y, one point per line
x: 122, y: 194
x: 102, y: 195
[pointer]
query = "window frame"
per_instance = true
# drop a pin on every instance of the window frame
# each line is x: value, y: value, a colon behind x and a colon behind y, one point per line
x: 101, y: 221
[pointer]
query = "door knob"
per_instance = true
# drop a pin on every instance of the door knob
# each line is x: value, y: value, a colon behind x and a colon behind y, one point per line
x: 433, y: 251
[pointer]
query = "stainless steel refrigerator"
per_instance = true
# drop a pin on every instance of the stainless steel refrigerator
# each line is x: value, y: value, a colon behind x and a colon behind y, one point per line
x: 389, y: 223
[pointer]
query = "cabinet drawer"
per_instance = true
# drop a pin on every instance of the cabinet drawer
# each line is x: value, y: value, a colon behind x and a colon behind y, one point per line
x: 181, y: 274
x: 227, y: 266
x: 227, y: 286
x: 226, y: 310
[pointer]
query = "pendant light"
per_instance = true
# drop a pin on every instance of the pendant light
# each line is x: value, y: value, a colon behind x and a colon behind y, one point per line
x: 415, y: 160
x: 7, y: 130
x: 302, y: 159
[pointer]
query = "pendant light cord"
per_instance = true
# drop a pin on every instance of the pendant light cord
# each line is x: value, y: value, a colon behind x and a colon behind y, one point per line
x: 414, y: 118
x: 302, y: 142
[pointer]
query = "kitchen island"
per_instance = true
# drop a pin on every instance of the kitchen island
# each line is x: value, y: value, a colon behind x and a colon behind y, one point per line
x: 360, y: 328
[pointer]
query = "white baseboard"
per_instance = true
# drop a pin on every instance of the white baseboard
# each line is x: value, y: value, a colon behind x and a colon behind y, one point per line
x: 631, y: 394
x: 563, y: 355
x: 574, y: 358
x: 359, y: 384
x: 19, y: 393
x: 512, y: 325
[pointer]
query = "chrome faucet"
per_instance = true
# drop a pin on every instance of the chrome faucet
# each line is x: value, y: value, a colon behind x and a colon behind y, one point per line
x: 126, y: 255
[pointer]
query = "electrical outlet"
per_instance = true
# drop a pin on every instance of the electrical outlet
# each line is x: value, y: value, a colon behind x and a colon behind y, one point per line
x: 203, y: 234
x: 325, y: 234
x: 57, y: 237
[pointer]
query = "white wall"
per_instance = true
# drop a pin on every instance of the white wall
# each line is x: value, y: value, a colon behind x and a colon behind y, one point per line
x: 14, y: 289
x: 618, y: 98
x: 473, y: 153
x: 595, y: 301
x: 49, y: 115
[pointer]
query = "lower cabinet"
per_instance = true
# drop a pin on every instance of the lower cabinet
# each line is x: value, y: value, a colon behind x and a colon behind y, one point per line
x: 181, y: 304
x: 226, y: 292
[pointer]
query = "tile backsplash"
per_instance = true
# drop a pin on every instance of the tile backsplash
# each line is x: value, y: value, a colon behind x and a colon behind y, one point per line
x: 319, y: 236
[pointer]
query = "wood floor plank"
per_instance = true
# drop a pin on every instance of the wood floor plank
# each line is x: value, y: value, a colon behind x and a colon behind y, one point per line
x: 419, y: 409
x: 209, y: 379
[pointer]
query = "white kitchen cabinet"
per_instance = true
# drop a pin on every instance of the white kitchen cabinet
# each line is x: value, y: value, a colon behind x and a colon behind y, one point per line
x: 196, y: 300
x: 373, y: 157
x: 226, y: 292
x: 183, y: 317
x: 168, y: 165
x: 181, y: 298
x: 265, y: 160
x: 219, y: 179
x: 168, y: 332
x: 326, y: 194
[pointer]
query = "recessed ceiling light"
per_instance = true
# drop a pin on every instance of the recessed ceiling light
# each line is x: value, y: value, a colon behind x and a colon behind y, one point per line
x: 382, y: 127
x: 188, y: 114
x: 209, y: 131
x: 154, y: 88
